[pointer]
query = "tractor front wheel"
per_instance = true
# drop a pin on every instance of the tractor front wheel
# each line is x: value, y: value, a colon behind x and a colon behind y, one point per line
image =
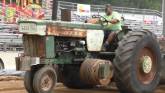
x: 28, y: 81
x: 44, y: 80
x: 41, y: 80
x: 137, y: 63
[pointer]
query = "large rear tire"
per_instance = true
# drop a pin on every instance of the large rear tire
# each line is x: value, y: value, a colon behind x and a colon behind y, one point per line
x: 137, y: 63
x: 71, y: 78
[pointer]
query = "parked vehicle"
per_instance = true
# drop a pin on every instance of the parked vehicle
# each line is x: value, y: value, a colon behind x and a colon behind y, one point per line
x: 7, y: 60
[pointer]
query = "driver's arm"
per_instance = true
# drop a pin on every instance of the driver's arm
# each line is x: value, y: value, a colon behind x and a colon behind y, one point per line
x: 116, y: 18
x: 93, y: 21
x: 114, y: 21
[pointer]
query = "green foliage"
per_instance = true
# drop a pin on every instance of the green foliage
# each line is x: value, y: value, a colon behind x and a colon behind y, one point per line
x: 144, y: 4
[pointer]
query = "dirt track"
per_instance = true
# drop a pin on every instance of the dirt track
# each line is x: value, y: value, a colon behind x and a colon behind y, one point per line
x: 15, y: 85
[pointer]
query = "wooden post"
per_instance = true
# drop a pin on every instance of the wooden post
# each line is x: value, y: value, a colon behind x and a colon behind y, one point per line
x: 65, y: 15
x: 55, y: 9
x: 163, y: 15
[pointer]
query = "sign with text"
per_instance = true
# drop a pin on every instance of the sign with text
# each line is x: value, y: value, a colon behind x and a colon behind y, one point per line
x: 83, y: 9
x: 83, y: 12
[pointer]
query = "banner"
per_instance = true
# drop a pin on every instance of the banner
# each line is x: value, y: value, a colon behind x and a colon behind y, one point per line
x: 83, y: 12
x: 16, y: 10
x: 83, y: 9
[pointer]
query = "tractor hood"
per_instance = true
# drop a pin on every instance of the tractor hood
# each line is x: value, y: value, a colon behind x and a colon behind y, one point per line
x: 56, y: 28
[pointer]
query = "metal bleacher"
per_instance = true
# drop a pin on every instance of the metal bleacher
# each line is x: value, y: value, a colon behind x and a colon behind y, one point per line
x: 11, y: 41
x: 138, y: 25
x: 100, y: 8
x: 132, y: 24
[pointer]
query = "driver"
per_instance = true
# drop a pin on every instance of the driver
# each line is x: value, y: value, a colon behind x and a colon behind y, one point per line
x: 113, y: 26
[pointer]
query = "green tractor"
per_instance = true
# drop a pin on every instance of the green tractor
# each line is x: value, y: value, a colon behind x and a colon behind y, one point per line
x: 71, y: 53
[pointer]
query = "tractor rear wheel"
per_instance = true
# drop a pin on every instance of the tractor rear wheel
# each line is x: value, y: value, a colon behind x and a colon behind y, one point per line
x: 71, y: 78
x: 137, y: 63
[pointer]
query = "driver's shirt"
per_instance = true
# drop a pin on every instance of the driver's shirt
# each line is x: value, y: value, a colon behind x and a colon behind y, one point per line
x: 113, y: 27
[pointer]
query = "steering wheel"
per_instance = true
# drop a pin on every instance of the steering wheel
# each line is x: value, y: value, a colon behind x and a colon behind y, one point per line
x: 103, y: 21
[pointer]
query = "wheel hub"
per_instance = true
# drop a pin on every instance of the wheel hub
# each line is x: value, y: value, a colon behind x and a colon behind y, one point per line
x: 46, y: 83
x: 146, y: 64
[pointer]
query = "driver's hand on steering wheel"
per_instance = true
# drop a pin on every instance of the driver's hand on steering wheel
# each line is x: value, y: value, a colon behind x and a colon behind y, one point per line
x: 103, y: 19
x: 114, y: 21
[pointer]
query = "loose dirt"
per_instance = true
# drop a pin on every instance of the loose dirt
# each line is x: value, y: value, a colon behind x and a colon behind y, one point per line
x: 15, y: 85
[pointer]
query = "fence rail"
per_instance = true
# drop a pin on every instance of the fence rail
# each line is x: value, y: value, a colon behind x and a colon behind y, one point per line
x: 73, y: 6
x: 134, y: 24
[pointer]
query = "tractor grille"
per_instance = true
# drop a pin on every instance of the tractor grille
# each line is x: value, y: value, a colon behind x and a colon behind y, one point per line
x: 34, y: 46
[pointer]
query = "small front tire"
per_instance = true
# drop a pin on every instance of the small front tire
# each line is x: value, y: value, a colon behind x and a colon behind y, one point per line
x: 28, y: 81
x: 44, y: 80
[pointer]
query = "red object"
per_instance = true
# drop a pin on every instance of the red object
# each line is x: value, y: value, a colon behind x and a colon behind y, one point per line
x: 147, y: 21
x: 3, y: 7
x: 3, y: 2
x: 21, y: 11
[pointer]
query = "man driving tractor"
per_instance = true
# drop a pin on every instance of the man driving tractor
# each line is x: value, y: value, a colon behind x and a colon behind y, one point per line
x: 113, y: 25
x: 111, y: 22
